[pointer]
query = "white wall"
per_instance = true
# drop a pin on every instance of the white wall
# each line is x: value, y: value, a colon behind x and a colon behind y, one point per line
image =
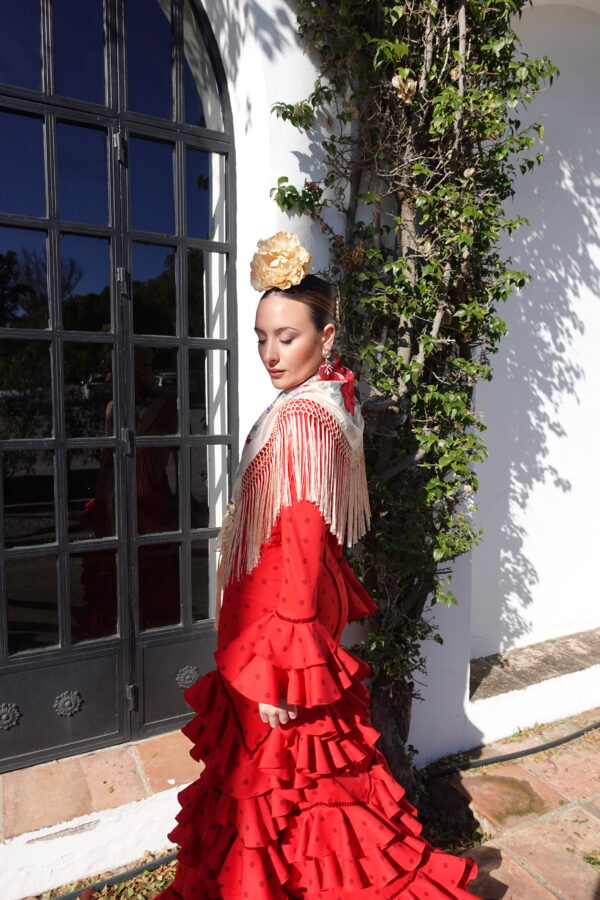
x: 264, y: 63
x: 534, y: 575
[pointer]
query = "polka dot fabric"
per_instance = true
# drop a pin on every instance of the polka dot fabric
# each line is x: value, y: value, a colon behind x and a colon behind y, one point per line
x: 308, y: 809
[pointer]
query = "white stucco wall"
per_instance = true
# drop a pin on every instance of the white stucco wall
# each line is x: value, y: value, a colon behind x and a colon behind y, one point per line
x: 533, y: 576
x: 264, y: 63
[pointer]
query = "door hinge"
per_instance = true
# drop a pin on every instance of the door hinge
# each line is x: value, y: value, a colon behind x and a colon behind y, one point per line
x: 127, y: 440
x: 119, y: 146
x: 122, y: 281
x: 132, y: 697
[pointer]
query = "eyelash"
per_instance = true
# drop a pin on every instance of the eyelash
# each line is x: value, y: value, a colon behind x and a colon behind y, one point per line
x: 283, y: 342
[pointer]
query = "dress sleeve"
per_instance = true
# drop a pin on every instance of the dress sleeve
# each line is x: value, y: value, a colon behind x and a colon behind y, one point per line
x: 288, y: 653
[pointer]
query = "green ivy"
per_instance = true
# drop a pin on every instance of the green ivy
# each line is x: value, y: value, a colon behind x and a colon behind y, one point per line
x: 416, y: 110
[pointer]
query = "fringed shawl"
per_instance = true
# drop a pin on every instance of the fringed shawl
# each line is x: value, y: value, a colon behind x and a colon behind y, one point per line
x: 309, y: 440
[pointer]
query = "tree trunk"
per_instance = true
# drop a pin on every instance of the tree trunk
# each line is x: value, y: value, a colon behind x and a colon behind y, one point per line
x: 390, y: 714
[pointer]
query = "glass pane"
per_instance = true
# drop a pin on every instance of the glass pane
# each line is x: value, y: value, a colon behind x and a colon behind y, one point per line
x: 209, y: 485
x: 155, y: 390
x: 151, y: 171
x: 25, y: 394
x: 158, y: 585
x: 157, y: 485
x: 22, y: 165
x: 205, y: 195
x: 32, y: 603
x: 208, y: 391
x: 93, y: 591
x: 149, y: 82
x: 153, y: 277
x: 85, y: 283
x: 23, y: 278
x: 202, y: 102
x: 207, y: 294
x: 88, y: 390
x: 82, y: 174
x: 91, y: 493
x: 79, y: 49
x: 200, y: 580
x: 28, y: 479
x: 20, y: 59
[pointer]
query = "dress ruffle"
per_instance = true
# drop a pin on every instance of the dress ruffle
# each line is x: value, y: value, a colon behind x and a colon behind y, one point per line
x: 312, y: 811
x: 296, y: 660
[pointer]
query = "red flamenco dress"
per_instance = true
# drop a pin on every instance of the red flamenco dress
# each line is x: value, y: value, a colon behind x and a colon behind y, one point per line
x: 308, y: 809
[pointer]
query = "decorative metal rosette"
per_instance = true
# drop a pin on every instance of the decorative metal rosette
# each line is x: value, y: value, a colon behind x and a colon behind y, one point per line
x: 186, y: 677
x: 10, y: 715
x: 68, y: 703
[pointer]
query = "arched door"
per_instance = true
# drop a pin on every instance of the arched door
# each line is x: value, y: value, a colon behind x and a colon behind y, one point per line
x: 117, y: 377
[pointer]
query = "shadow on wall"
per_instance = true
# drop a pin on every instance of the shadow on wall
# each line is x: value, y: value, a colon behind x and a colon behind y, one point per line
x: 538, y: 368
x: 273, y: 26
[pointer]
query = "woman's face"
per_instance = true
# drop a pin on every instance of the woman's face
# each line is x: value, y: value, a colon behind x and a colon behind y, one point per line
x: 289, y: 345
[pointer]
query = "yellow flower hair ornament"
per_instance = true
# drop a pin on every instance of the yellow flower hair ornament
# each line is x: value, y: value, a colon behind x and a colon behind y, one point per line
x: 279, y: 262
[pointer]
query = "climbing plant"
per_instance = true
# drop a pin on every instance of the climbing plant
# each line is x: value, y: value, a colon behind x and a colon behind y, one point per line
x: 415, y: 122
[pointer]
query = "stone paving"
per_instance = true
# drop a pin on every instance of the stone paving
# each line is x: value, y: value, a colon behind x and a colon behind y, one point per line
x: 543, y: 815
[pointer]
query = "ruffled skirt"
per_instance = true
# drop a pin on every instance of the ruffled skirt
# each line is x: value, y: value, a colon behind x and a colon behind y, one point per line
x: 309, y: 811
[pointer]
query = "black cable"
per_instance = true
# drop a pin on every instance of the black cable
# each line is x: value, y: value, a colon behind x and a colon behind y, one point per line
x: 529, y: 751
x: 117, y: 879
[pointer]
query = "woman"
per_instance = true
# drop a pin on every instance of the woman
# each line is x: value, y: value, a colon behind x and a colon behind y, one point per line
x: 295, y: 800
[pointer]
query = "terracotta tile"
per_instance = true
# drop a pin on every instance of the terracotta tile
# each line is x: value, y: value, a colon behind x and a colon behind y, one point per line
x: 112, y: 777
x: 572, y: 769
x: 593, y: 806
x: 501, y: 878
x: 506, y: 795
x: 167, y: 762
x: 44, y: 795
x: 554, y: 847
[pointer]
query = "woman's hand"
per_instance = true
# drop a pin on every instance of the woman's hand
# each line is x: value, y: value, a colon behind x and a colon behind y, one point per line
x: 277, y: 715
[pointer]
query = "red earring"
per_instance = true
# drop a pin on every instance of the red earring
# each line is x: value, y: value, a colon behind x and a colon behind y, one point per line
x: 326, y: 367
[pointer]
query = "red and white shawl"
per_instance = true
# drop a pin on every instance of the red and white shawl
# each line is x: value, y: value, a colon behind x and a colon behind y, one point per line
x: 311, y: 436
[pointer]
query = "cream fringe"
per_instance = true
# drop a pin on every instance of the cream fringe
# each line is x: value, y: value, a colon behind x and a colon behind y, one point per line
x: 308, y: 450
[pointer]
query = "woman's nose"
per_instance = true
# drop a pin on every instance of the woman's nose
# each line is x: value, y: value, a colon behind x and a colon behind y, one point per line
x: 272, y: 355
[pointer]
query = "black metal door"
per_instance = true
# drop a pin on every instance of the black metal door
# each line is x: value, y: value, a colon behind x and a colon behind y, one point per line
x: 116, y: 367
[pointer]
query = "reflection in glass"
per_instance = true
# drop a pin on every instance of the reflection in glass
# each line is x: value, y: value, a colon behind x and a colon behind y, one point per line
x: 20, y: 60
x: 93, y: 594
x: 209, y: 467
x: 149, y: 81
x: 88, y: 390
x: 205, y: 195
x: 195, y: 286
x: 157, y: 489
x: 85, y: 283
x: 25, y: 390
x: 155, y: 390
x: 200, y: 581
x: 158, y: 585
x: 23, y: 278
x: 207, y: 294
x: 208, y: 391
x: 22, y: 165
x: 28, y: 482
x: 32, y: 603
x: 153, y: 277
x: 151, y: 170
x: 202, y: 102
x: 82, y: 179
x: 91, y: 493
x: 79, y: 49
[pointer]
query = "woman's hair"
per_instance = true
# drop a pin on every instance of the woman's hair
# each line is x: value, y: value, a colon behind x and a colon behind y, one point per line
x: 317, y: 294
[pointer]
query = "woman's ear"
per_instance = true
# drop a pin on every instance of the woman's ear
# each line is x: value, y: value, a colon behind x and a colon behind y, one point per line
x: 328, y: 335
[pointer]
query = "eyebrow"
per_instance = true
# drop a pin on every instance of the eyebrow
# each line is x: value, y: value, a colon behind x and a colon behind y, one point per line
x: 278, y: 330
